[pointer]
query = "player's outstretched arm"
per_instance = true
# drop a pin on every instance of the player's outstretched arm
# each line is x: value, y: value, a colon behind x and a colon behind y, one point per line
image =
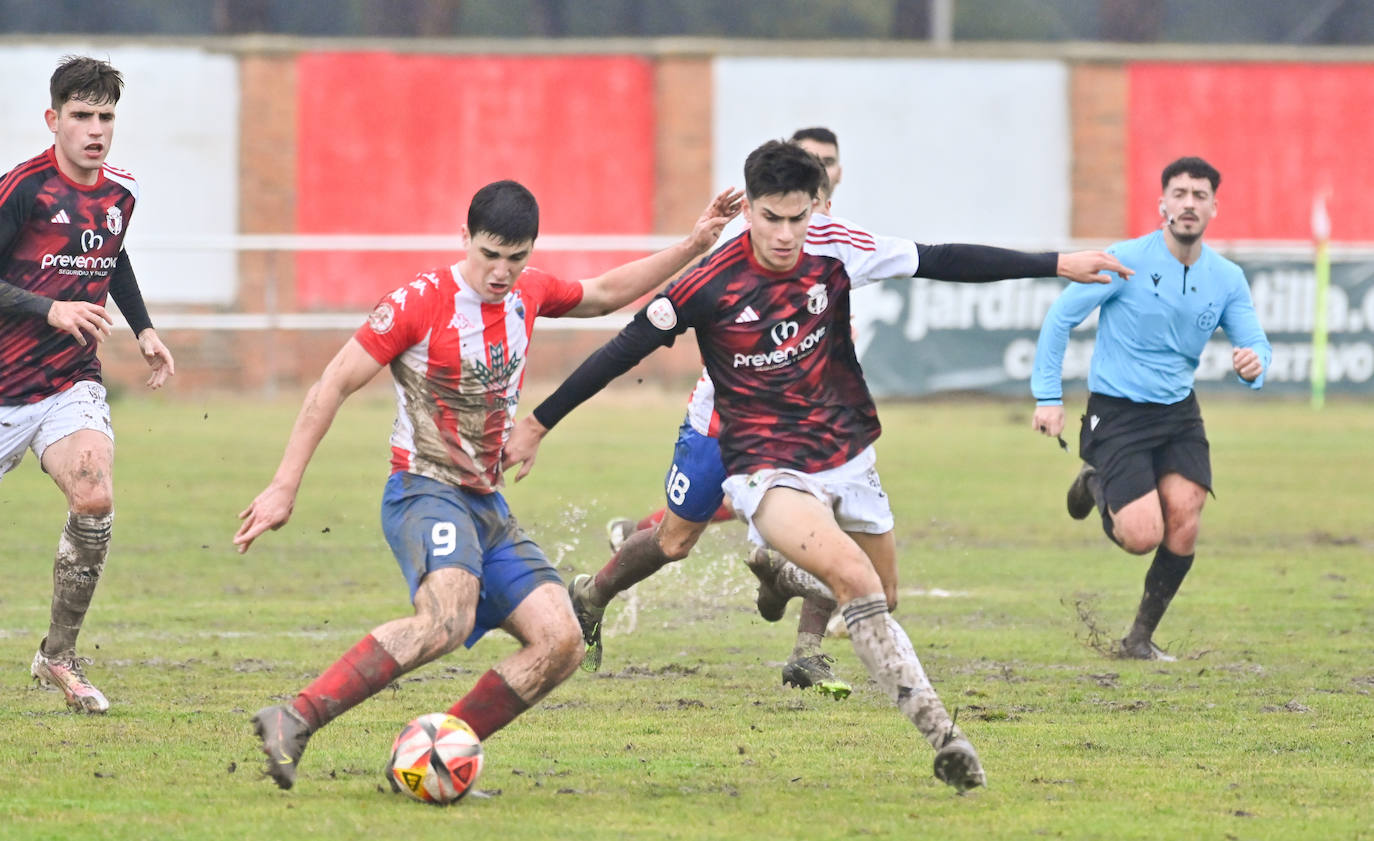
x: 623, y: 284
x: 1091, y: 267
x: 158, y: 357
x: 350, y: 369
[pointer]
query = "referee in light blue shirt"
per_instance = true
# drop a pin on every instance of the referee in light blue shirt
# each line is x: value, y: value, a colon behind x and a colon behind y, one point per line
x: 1142, y: 439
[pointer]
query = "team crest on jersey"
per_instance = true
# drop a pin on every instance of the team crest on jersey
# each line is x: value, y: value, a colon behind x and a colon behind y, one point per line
x: 114, y: 219
x: 382, y: 318
x: 661, y: 314
x: 518, y: 305
x: 501, y: 370
x: 816, y: 300
x: 1207, y: 320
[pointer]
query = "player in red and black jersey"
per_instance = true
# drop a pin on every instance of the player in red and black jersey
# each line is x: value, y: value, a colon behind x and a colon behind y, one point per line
x: 771, y: 314
x: 63, y: 216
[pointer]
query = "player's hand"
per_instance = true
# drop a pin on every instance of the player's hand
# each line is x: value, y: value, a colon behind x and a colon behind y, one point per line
x: 1048, y: 420
x: 1091, y: 267
x: 523, y: 446
x: 269, y: 510
x: 79, y: 318
x: 158, y: 357
x: 721, y: 210
x: 1247, y: 363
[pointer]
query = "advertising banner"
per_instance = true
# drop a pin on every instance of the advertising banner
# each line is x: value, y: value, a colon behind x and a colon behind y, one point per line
x: 920, y: 337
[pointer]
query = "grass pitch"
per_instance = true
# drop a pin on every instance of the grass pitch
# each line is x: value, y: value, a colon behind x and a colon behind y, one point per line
x: 1261, y: 730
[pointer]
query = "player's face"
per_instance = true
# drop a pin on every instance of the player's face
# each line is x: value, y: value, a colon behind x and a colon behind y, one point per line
x: 491, y: 266
x: 777, y: 225
x: 82, y: 133
x: 830, y: 158
x: 1191, y: 204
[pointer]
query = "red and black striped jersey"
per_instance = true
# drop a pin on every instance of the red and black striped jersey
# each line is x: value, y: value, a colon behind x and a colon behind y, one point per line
x: 64, y: 241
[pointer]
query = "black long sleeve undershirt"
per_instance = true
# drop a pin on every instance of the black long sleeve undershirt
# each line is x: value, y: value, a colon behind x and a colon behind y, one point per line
x: 957, y: 262
x: 127, y: 296
x: 22, y: 301
x: 964, y: 263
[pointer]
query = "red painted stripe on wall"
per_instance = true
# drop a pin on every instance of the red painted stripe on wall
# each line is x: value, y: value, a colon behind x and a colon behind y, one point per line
x: 392, y: 143
x: 1277, y: 132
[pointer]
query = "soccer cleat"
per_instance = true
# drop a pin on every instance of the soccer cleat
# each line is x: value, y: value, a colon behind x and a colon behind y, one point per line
x: 589, y: 618
x: 618, y: 530
x: 283, y: 733
x: 771, y: 603
x: 1146, y: 650
x: 957, y: 765
x: 814, y: 671
x: 65, y: 672
x: 1080, y: 497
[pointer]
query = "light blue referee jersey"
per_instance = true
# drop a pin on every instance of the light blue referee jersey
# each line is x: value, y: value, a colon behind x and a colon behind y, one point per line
x: 1152, y: 327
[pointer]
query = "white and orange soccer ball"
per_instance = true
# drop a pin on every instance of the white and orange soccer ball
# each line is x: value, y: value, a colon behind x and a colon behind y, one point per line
x: 436, y: 759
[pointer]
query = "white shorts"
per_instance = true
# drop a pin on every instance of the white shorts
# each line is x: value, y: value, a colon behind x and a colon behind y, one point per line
x: 852, y: 490
x: 37, y: 426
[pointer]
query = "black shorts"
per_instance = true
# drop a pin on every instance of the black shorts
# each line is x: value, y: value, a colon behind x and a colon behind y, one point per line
x: 1133, y: 444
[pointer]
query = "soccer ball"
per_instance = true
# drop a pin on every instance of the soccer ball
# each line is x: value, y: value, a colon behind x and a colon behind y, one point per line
x: 436, y: 759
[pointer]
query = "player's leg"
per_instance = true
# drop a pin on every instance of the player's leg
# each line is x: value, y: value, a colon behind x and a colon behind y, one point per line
x: 692, y: 487
x: 1185, y: 476
x: 433, y: 531
x: 619, y: 529
x: 75, y: 445
x: 802, y: 527
x: 550, y: 649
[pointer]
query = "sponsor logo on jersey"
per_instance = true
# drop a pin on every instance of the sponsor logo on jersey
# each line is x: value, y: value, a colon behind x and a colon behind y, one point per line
x: 784, y: 330
x: 502, y: 371
x: 62, y: 218
x: 114, y: 220
x: 816, y: 300
x: 78, y: 261
x: 90, y: 240
x: 747, y: 315
x: 399, y: 296
x: 661, y: 314
x: 779, y: 357
x: 382, y: 318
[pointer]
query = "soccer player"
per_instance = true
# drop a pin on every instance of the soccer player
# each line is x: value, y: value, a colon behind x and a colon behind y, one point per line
x: 456, y: 340
x: 63, y: 217
x: 797, y: 423
x: 695, y: 500
x: 1146, y: 461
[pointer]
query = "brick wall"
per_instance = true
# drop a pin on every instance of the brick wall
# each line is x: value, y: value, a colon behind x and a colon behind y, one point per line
x: 1097, y: 106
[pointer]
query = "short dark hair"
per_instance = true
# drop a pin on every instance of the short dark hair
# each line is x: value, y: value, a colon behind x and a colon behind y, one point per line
x: 506, y: 210
x: 780, y: 166
x: 86, y: 78
x: 820, y: 134
x: 1193, y: 167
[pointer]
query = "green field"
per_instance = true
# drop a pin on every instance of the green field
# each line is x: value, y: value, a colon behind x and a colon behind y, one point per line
x: 1262, y: 730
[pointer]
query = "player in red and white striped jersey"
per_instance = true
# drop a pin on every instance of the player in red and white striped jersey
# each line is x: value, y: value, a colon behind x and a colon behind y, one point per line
x: 771, y: 313
x: 456, y: 340
x: 63, y: 217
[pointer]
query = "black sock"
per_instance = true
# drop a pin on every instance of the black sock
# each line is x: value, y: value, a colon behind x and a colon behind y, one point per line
x: 1162, y: 581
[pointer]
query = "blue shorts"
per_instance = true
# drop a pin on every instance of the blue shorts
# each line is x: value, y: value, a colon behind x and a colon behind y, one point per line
x: 693, y: 481
x: 432, y: 525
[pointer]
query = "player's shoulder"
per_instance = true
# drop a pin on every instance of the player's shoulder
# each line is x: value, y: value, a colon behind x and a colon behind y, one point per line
x: 26, y: 178
x: 120, y: 176
x: 717, y: 267
x: 1223, y: 265
x: 1138, y: 247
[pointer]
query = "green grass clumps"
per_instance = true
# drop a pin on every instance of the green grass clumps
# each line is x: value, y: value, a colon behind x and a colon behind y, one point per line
x: 1260, y: 730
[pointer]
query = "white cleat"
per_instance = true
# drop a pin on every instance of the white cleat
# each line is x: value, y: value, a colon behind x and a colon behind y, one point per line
x: 65, y: 672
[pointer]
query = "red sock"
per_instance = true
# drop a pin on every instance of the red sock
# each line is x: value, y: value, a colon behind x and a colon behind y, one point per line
x: 363, y: 671
x: 489, y: 706
x: 651, y: 520
x: 723, y: 513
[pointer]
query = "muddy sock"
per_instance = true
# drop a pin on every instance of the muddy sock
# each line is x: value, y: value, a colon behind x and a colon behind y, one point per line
x: 489, y: 706
x: 76, y: 570
x: 791, y: 580
x: 807, y: 645
x: 639, y: 558
x: 363, y: 671
x: 887, y: 653
x: 1162, y: 581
